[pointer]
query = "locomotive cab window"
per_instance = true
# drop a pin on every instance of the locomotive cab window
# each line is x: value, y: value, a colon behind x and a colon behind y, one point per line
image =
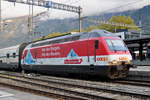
x: 116, y: 44
x: 7, y: 55
x: 14, y: 55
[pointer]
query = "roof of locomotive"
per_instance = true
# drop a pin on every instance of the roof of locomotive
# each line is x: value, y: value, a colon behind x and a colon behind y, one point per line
x: 97, y: 32
x: 102, y: 33
x: 82, y: 35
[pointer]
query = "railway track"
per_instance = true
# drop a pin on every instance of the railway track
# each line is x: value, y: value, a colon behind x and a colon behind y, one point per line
x: 143, y: 83
x: 74, y: 89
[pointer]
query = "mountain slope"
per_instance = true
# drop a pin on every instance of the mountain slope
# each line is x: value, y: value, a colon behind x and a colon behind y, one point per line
x: 17, y: 31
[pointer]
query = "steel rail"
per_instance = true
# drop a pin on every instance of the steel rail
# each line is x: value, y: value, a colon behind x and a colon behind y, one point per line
x: 81, y: 94
x: 134, y: 82
x: 81, y: 85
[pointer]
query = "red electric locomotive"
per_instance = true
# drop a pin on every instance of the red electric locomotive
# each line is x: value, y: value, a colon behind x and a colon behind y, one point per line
x: 98, y: 52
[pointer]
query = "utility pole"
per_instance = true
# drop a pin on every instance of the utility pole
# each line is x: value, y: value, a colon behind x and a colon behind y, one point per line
x: 140, y: 22
x: 30, y: 27
x: 0, y: 17
x: 80, y: 19
x: 32, y: 22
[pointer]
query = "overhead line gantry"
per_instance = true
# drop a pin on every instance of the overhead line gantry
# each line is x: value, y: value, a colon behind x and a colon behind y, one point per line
x: 51, y: 4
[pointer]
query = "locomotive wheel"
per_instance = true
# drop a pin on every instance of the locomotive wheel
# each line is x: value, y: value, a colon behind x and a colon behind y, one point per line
x: 23, y: 71
x: 114, y: 73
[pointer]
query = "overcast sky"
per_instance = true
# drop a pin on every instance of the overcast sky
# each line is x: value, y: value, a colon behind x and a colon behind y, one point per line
x: 89, y: 7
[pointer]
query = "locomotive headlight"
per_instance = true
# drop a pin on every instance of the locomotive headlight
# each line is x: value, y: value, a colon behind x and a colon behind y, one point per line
x: 113, y: 62
x: 129, y: 62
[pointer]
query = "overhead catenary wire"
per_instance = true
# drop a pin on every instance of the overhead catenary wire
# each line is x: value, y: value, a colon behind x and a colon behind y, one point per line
x: 123, y: 5
x: 0, y: 16
x: 104, y: 21
x: 74, y: 2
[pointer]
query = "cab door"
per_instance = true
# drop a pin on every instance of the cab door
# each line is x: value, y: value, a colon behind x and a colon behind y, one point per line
x: 93, y: 46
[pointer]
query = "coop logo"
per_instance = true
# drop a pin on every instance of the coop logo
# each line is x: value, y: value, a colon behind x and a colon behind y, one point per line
x: 101, y: 59
x: 123, y: 58
x: 73, y: 58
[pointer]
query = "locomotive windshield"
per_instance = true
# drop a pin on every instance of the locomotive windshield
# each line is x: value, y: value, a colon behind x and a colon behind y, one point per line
x: 116, y: 44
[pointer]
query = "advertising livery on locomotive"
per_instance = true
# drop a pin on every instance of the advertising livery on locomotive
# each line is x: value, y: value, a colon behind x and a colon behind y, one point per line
x: 98, y: 52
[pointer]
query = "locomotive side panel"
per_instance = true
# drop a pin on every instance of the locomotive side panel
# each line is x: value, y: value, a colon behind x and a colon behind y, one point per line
x: 62, y: 57
x: 71, y: 57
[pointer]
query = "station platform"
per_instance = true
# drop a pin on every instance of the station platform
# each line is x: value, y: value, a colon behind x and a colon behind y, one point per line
x: 141, y: 63
x: 140, y: 72
x: 10, y: 94
x: 141, y: 68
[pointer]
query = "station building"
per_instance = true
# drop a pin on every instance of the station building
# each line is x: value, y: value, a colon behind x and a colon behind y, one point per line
x: 138, y: 44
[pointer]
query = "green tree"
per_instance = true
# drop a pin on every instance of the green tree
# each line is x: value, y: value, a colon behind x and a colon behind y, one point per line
x: 91, y: 28
x: 118, y: 19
